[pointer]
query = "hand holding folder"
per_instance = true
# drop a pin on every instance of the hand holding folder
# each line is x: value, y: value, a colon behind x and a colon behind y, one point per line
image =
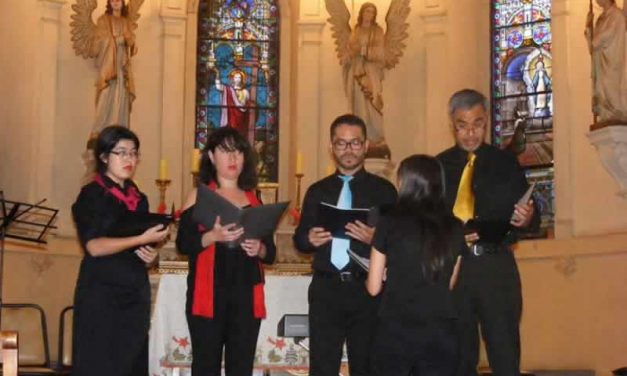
x: 495, y: 231
x: 334, y: 219
x: 258, y: 222
x: 133, y: 223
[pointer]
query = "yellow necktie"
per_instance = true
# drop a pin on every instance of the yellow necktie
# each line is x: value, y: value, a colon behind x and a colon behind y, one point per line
x: 464, y: 207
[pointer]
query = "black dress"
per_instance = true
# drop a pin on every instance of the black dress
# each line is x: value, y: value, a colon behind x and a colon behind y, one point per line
x: 234, y: 327
x: 417, y: 331
x: 112, y: 298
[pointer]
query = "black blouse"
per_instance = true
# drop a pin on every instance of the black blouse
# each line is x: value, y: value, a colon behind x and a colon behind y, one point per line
x: 408, y: 293
x: 95, y: 212
x: 233, y: 267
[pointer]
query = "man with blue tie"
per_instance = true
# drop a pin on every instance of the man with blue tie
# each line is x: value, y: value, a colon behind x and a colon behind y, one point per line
x: 340, y: 308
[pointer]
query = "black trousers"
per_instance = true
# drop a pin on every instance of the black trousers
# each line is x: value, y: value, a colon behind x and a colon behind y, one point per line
x: 421, y: 349
x: 233, y: 328
x: 110, y: 335
x: 340, y: 311
x: 491, y: 298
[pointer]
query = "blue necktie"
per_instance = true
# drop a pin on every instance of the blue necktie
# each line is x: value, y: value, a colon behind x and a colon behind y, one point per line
x: 339, y: 247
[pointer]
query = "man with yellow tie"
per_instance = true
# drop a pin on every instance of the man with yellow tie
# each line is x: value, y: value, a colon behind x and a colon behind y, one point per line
x: 484, y: 183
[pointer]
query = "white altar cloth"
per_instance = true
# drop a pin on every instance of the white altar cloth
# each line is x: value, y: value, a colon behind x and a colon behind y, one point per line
x: 170, y: 345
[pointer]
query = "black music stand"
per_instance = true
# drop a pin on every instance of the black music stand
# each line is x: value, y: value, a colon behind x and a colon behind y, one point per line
x: 22, y: 221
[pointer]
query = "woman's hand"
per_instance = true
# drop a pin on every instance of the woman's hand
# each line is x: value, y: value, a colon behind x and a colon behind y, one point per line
x: 155, y: 234
x: 147, y: 254
x: 254, y: 248
x: 219, y: 233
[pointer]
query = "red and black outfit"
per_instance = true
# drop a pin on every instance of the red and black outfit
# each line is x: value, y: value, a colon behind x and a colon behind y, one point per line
x: 225, y: 301
x: 112, y: 298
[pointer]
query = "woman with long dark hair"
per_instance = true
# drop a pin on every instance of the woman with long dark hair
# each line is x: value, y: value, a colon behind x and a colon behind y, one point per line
x: 225, y: 298
x: 112, y: 299
x: 420, y: 244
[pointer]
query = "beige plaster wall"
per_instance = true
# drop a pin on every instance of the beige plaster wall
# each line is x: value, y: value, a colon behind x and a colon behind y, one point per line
x: 572, y: 318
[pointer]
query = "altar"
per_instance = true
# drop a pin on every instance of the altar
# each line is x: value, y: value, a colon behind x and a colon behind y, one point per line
x: 170, y: 344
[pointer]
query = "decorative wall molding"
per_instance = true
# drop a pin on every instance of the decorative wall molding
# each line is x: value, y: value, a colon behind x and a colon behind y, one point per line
x: 310, y: 31
x: 173, y: 7
x: 611, y: 144
x: 311, y: 9
x: 566, y: 265
x: 432, y: 8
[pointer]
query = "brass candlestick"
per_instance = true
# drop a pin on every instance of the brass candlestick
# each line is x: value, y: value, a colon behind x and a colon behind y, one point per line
x: 299, y: 176
x: 162, y: 184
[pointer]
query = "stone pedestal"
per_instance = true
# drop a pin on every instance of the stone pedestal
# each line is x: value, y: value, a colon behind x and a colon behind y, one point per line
x: 611, y: 144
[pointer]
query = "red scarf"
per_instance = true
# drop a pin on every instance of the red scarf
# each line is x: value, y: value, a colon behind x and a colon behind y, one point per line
x: 130, y: 199
x: 204, y: 289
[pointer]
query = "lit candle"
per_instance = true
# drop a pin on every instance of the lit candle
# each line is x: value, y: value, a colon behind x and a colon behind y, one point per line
x: 299, y: 163
x: 195, y: 160
x: 330, y: 169
x: 163, y: 169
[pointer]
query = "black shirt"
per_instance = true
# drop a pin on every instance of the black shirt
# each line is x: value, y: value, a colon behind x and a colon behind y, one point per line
x: 368, y: 191
x: 498, y: 182
x: 232, y: 266
x: 95, y: 213
x: 411, y: 293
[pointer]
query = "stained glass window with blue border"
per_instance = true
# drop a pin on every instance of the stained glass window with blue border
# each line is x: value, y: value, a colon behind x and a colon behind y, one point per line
x: 237, y: 75
x: 522, y: 93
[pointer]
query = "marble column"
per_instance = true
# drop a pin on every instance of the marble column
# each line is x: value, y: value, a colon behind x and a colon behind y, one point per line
x: 45, y: 102
x: 562, y: 142
x: 308, y: 136
x: 174, y: 18
x: 435, y: 135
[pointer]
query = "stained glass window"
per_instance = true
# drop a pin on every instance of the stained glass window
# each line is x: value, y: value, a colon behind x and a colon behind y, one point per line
x: 237, y: 75
x: 522, y: 95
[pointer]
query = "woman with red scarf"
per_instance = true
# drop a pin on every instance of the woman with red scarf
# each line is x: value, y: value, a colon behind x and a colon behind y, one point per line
x: 112, y: 298
x: 225, y: 299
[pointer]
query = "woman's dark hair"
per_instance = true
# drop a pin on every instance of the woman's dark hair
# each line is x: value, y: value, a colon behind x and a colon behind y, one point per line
x: 229, y: 139
x: 107, y: 139
x: 421, y: 197
x: 124, y: 11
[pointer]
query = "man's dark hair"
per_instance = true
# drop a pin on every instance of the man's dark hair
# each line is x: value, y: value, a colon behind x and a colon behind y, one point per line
x: 107, y: 139
x: 229, y: 139
x: 348, y: 119
x: 466, y: 99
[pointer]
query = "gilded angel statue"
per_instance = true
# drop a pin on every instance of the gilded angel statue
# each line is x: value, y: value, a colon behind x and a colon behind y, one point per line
x: 364, y: 53
x: 111, y: 41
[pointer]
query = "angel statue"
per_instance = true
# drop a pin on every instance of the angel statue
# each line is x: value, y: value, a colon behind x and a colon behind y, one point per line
x: 607, y: 45
x: 364, y: 53
x: 111, y: 41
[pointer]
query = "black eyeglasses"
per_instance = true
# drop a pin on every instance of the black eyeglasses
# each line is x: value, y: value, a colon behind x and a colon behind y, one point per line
x: 133, y: 154
x: 355, y: 144
x: 467, y: 128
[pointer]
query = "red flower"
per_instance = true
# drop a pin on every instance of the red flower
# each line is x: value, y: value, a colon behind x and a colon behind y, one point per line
x: 183, y: 341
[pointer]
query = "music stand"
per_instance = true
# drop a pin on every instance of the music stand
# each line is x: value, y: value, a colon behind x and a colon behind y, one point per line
x: 23, y: 221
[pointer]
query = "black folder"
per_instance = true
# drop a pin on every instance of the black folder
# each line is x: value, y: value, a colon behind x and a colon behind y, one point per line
x: 334, y: 219
x: 133, y: 223
x: 258, y: 222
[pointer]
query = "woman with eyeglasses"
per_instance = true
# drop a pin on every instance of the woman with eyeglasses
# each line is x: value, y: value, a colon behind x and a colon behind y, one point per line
x: 420, y: 244
x: 112, y: 298
x: 225, y: 297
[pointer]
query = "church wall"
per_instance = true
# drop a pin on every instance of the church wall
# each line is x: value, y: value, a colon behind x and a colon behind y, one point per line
x: 572, y: 285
